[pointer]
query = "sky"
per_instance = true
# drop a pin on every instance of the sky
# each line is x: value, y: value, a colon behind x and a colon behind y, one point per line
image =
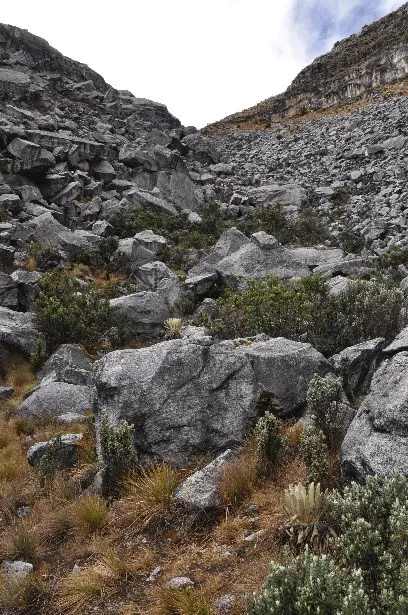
x: 203, y: 59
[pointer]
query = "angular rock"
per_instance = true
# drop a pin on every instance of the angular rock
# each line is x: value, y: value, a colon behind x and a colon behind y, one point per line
x: 66, y: 457
x: 201, y: 489
x: 18, y: 331
x: 377, y: 439
x: 357, y: 365
x: 146, y: 310
x: 70, y: 364
x: 56, y: 398
x: 8, y: 292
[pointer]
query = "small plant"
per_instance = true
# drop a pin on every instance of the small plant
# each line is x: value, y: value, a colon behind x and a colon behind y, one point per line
x: 323, y: 398
x: 270, y: 444
x: 315, y: 453
x: 311, y: 584
x: 78, y: 590
x: 21, y: 592
x: 173, y: 327
x: 118, y: 453
x: 89, y: 514
x: 47, y: 259
x: 183, y: 601
x: 237, y: 479
x: 305, y: 505
x: 150, y: 493
x: 50, y: 461
x: 23, y: 542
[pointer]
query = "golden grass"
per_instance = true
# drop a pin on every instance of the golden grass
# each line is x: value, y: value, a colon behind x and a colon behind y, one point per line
x: 189, y: 601
x: 237, y: 479
x: 21, y: 592
x: 89, y: 514
x: 21, y: 541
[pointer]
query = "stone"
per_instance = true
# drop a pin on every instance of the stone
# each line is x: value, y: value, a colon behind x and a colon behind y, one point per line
x: 103, y: 170
x: 8, y: 292
x: 13, y: 82
x: 218, y: 385
x: 180, y: 582
x: 201, y: 489
x: 283, y: 369
x: 146, y: 311
x: 151, y: 241
x: 27, y: 288
x: 399, y: 343
x: 54, y: 399
x: 289, y: 196
x: 377, y: 439
x: 66, y: 457
x: 6, y: 392
x: 17, y: 331
x: 357, y: 365
x: 203, y: 148
x: 17, y: 568
x: 142, y: 199
x: 69, y: 363
x: 229, y: 243
x: 253, y: 262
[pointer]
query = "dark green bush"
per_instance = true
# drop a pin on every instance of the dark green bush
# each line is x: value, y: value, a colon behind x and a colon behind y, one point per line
x: 303, y: 310
x: 103, y: 256
x: 307, y: 229
x: 70, y: 313
x: 46, y: 259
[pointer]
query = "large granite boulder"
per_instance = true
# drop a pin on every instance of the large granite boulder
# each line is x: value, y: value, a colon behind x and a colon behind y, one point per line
x: 262, y: 256
x: 146, y: 310
x: 357, y: 364
x: 289, y: 196
x: 377, y: 439
x: 70, y: 364
x: 192, y: 396
x: 54, y: 399
x: 17, y: 331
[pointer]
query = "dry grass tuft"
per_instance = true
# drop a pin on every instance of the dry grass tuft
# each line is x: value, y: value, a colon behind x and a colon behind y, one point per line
x: 189, y: 601
x: 89, y: 514
x: 82, y: 588
x: 149, y: 495
x: 21, y: 592
x: 21, y: 542
x: 237, y: 479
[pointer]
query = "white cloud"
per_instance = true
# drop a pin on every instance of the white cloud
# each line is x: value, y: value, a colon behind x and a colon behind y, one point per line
x: 204, y: 60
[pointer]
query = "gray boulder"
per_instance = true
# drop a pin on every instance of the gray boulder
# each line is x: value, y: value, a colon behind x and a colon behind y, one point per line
x: 283, y: 369
x: 190, y: 396
x: 55, y: 399
x: 27, y: 288
x: 357, y: 365
x: 146, y: 310
x: 377, y: 439
x: 17, y: 331
x: 202, y: 489
x: 256, y: 260
x: 70, y: 364
x: 66, y: 455
x: 8, y: 292
x: 289, y: 196
x: 400, y: 343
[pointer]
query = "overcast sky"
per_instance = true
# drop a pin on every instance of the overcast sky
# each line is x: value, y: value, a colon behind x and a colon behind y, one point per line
x: 203, y: 59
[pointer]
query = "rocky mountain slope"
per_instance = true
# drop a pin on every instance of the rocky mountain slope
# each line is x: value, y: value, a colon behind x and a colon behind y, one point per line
x: 354, y: 69
x: 210, y: 316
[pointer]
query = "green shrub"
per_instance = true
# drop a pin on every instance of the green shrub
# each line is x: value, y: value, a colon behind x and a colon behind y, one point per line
x: 303, y: 310
x: 372, y: 521
x: 103, y: 256
x: 387, y: 263
x: 117, y: 451
x: 70, y: 313
x: 367, y: 571
x: 312, y: 585
x: 323, y: 398
x: 46, y: 259
x: 307, y: 229
x: 271, y: 307
x: 270, y: 444
x: 315, y: 453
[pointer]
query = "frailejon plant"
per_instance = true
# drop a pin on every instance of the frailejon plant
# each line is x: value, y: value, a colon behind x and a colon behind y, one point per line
x: 306, y: 507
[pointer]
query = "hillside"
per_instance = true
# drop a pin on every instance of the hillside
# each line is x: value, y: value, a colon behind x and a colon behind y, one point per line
x: 356, y: 69
x: 203, y: 343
